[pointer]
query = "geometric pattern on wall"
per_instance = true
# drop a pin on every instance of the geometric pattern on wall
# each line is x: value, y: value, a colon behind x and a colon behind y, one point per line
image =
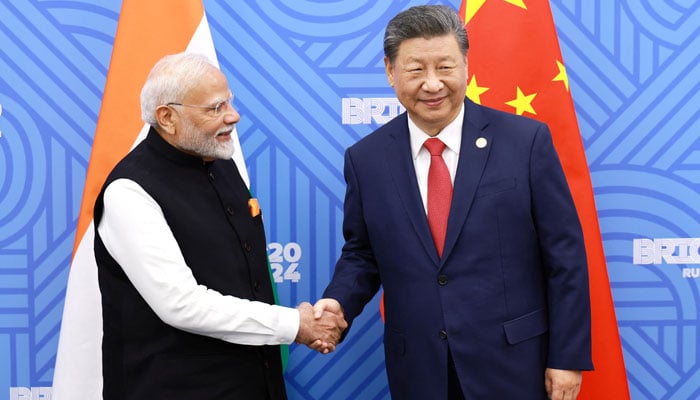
x: 53, y: 62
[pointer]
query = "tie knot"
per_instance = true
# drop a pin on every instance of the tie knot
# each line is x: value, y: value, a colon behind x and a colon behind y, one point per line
x: 435, y: 146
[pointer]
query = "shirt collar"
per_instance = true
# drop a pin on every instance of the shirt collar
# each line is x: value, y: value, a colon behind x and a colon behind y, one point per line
x: 451, y: 135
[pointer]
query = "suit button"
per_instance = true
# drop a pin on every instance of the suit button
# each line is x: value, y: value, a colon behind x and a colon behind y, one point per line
x: 442, y: 280
x: 443, y: 334
x: 229, y: 210
x: 247, y: 246
x: 211, y: 176
x: 256, y: 286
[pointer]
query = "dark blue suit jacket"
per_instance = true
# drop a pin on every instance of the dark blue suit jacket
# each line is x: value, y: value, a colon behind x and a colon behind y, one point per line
x: 510, y: 295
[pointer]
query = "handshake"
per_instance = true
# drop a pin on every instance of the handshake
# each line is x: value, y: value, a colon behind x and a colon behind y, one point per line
x: 321, y: 325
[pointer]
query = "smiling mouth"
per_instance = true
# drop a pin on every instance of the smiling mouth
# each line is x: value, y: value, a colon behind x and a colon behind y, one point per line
x: 433, y: 102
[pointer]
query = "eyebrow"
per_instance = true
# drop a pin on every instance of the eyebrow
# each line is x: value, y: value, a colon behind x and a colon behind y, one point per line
x: 220, y: 99
x: 422, y: 59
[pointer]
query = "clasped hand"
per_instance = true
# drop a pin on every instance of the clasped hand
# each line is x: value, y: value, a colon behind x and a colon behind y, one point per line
x: 321, y: 326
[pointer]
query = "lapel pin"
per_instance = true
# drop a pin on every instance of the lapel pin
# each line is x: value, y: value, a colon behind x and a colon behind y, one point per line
x: 481, y: 142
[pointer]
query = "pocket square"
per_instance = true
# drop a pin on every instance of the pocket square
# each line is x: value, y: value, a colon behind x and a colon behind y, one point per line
x: 254, y: 207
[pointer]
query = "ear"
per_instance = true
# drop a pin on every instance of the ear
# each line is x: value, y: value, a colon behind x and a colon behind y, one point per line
x: 389, y: 69
x: 166, y: 119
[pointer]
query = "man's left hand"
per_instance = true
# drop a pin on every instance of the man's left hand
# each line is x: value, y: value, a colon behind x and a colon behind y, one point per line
x: 562, y: 384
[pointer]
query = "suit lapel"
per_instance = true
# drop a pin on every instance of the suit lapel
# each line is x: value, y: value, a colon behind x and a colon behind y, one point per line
x: 400, y: 165
x: 471, y: 164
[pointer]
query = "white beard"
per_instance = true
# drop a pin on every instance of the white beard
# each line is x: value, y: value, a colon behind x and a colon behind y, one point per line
x: 204, y: 145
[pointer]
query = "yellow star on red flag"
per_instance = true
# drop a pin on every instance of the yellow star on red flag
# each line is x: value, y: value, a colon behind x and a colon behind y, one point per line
x: 519, y: 3
x: 473, y: 6
x: 474, y: 91
x: 561, y: 76
x: 522, y: 102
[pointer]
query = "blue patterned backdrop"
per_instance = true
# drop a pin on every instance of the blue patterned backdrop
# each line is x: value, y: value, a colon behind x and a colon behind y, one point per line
x: 296, y: 66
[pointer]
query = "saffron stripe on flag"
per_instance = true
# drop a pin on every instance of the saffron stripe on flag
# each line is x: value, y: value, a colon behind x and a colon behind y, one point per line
x: 147, y: 30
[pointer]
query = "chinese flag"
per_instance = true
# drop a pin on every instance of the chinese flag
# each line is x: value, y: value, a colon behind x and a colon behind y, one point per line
x: 515, y: 65
x: 147, y: 31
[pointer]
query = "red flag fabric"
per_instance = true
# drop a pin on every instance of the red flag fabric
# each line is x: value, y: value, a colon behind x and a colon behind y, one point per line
x: 515, y: 65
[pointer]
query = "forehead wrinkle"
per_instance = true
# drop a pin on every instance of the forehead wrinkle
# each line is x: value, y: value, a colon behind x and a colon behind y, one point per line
x: 211, y: 83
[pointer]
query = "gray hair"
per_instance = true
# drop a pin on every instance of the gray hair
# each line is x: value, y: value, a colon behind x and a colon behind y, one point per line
x: 170, y: 80
x: 425, y: 22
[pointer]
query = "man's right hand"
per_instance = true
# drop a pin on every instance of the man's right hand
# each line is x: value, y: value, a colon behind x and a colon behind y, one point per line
x: 320, y: 329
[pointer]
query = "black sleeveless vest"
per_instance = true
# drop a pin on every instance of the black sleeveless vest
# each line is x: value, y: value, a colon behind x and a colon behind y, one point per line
x: 206, y: 207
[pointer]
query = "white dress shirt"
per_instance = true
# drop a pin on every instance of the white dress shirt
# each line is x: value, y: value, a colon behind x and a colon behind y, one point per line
x: 451, y: 135
x: 137, y: 236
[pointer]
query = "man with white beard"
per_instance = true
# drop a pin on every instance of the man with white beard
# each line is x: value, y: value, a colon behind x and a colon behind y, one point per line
x: 187, y: 300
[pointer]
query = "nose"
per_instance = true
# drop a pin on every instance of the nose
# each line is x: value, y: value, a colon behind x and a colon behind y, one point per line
x: 432, y: 82
x: 231, y: 116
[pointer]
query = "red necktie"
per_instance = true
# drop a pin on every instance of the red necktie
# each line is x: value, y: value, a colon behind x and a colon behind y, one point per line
x: 439, y: 192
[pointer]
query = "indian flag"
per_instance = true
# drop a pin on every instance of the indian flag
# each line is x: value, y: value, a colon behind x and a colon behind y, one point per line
x: 147, y: 31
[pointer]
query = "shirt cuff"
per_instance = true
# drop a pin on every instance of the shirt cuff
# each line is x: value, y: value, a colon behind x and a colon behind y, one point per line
x: 288, y: 324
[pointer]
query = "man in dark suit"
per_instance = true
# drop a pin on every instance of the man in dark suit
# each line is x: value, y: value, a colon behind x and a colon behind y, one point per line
x: 477, y: 246
x: 187, y: 301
